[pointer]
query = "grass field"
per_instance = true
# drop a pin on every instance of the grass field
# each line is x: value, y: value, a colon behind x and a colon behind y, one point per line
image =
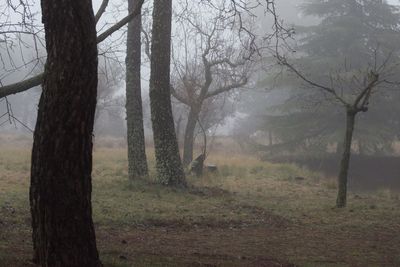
x: 250, y: 213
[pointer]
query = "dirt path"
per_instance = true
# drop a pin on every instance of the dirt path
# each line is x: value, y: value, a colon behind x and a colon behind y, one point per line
x: 260, y: 245
x: 180, y: 246
x: 272, y: 241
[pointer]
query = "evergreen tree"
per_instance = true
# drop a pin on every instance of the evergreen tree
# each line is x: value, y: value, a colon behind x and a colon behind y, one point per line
x: 348, y: 57
x: 351, y: 36
x: 362, y: 33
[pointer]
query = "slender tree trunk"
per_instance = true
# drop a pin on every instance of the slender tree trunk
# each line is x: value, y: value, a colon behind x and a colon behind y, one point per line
x: 345, y: 161
x: 168, y: 161
x: 60, y: 191
x: 188, y: 142
x: 137, y: 163
x: 178, y: 129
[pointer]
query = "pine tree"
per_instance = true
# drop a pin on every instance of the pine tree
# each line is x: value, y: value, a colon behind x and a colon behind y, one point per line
x: 350, y: 29
x: 348, y: 58
x: 349, y: 36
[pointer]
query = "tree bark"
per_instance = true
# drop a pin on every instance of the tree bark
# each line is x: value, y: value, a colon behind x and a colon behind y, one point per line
x: 60, y: 191
x: 168, y: 162
x: 188, y: 143
x: 345, y: 161
x: 137, y: 164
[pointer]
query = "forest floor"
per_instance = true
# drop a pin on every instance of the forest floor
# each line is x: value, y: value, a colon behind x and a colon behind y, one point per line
x: 250, y: 213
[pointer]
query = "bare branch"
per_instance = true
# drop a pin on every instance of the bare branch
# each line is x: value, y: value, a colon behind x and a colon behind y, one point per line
x: 227, y: 88
x: 121, y: 23
x: 178, y: 96
x: 282, y: 60
x: 146, y: 43
x: 37, y: 80
x: 21, y: 86
x: 366, y: 93
x: 101, y: 10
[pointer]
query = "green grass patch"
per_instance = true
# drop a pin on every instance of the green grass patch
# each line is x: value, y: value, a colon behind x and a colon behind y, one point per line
x: 243, y: 215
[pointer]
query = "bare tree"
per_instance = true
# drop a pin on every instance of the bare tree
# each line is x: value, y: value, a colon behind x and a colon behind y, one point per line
x: 353, y: 92
x: 350, y: 87
x: 213, y: 59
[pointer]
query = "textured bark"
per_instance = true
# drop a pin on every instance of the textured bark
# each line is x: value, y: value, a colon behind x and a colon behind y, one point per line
x: 168, y: 162
x: 188, y: 143
x: 345, y: 161
x: 60, y: 191
x: 137, y: 164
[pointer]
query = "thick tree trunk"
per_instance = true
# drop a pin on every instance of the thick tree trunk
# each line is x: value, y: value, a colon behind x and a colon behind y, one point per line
x: 168, y: 161
x: 137, y: 164
x: 345, y: 161
x: 60, y: 191
x: 188, y: 142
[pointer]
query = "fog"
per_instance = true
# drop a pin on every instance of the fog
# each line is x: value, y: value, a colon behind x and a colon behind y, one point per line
x: 242, y: 112
x: 30, y: 65
x: 284, y: 140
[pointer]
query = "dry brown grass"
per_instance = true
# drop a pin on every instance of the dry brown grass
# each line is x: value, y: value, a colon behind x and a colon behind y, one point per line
x: 246, y: 215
